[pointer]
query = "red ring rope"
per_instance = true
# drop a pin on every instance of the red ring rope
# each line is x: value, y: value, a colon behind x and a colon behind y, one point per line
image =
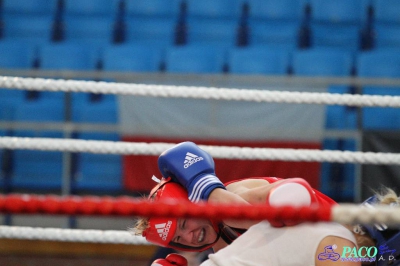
x: 129, y: 206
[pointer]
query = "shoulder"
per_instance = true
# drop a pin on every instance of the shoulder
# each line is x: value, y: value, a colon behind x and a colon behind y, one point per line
x: 333, y: 247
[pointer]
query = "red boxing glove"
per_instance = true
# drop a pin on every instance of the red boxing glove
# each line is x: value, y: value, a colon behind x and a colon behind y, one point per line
x: 294, y: 192
x: 172, y: 259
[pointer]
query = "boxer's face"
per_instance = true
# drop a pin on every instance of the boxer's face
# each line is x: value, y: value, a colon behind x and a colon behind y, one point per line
x: 194, y: 232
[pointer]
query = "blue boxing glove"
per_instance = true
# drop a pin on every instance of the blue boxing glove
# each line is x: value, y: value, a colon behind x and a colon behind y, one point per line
x: 191, y: 167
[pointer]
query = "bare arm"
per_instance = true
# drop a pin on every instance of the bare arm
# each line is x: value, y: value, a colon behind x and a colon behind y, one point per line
x: 242, y: 192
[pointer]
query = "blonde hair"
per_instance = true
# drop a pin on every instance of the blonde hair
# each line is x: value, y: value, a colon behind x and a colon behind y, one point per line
x: 140, y: 226
x: 386, y: 196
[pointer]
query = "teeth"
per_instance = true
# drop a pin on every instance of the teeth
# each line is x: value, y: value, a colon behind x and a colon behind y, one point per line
x: 201, y: 236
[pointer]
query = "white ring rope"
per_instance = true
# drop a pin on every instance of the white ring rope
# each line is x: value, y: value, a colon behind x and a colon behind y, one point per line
x: 245, y: 153
x: 71, y: 235
x: 344, y: 214
x: 40, y: 84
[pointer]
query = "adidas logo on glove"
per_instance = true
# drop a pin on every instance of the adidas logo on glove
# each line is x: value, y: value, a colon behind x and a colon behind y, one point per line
x: 163, y: 229
x: 191, y: 159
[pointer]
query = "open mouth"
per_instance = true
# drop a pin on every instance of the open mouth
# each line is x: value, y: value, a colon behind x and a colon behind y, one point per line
x: 201, y: 235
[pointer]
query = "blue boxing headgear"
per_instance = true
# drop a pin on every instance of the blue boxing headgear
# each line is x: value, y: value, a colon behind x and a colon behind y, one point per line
x: 387, y: 240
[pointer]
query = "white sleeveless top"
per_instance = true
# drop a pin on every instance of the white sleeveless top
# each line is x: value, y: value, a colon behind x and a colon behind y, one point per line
x: 263, y: 244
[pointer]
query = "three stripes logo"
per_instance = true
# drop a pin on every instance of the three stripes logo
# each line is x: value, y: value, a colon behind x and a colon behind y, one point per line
x: 163, y: 230
x: 191, y: 159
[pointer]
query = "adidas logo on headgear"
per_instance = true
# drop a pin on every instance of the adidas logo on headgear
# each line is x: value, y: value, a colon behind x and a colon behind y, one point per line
x: 191, y: 159
x: 163, y: 229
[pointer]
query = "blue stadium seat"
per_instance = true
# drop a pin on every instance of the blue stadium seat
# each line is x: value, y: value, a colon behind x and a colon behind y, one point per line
x: 95, y: 31
x: 129, y: 57
x: 37, y: 170
x: 380, y: 63
x: 346, y: 37
x: 337, y: 179
x: 195, y: 59
x: 258, y: 60
x: 386, y: 11
x: 378, y: 117
x: 31, y: 7
x: 277, y: 10
x: 9, y: 101
x: 30, y: 29
x: 386, y: 35
x: 68, y: 56
x: 277, y: 34
x: 3, y: 133
x: 221, y: 32
x: 40, y: 110
x: 217, y: 9
x: 322, y: 62
x: 98, y: 172
x: 152, y: 8
x: 151, y: 31
x: 91, y: 8
x: 339, y: 116
x: 87, y: 110
x: 16, y: 54
x: 328, y: 62
x: 344, y: 20
x: 339, y: 11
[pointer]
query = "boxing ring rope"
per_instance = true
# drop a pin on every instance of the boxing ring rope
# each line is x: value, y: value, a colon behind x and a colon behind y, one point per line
x: 129, y: 206
x: 71, y: 235
x: 246, y: 153
x: 125, y: 206
x: 40, y: 84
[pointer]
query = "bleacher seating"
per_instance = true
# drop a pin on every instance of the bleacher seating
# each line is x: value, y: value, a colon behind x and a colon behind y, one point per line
x: 386, y: 11
x: 72, y: 56
x: 30, y: 8
x: 91, y: 8
x: 215, y: 9
x: 153, y: 8
x: 338, y: 23
x: 322, y: 62
x: 284, y: 34
x: 16, y: 54
x: 275, y: 22
x: 380, y: 63
x: 386, y: 35
x: 219, y: 32
x: 151, y: 31
x: 29, y: 29
x: 89, y: 109
x: 195, y: 59
x: 277, y: 10
x: 338, y: 179
x: 97, y: 32
x: 13, y: 55
x: 130, y: 57
x: 37, y: 170
x: 341, y: 117
x: 9, y: 101
x: 98, y: 172
x: 259, y: 60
